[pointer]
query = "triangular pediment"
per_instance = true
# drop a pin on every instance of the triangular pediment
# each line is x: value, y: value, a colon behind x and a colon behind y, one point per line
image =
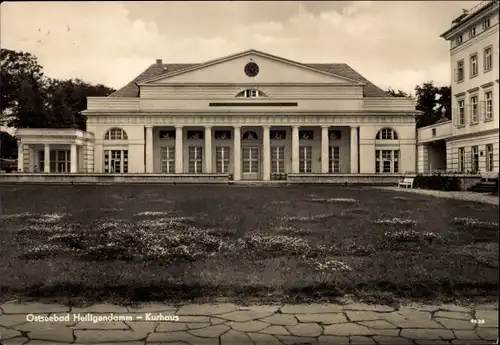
x: 233, y: 70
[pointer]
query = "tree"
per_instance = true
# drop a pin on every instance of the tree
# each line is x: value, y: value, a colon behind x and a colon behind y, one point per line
x: 30, y: 100
x: 68, y: 98
x: 445, y: 100
x: 21, y: 90
x: 430, y: 100
x: 8, y: 145
x: 398, y: 93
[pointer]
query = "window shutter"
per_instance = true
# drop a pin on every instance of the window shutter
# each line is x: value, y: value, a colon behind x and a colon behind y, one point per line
x: 482, y: 110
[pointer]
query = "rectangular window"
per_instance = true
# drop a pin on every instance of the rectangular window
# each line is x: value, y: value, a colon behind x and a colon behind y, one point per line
x: 116, y: 161
x: 461, y: 159
x: 473, y: 65
x: 387, y: 161
x: 488, y: 96
x: 460, y: 71
x: 472, y: 32
x: 41, y: 160
x: 334, y: 159
x: 167, y: 159
x: 396, y: 161
x: 461, y: 112
x: 222, y: 157
x: 251, y: 160
x: 489, y: 157
x: 486, y: 24
x: 475, y: 159
x: 195, y: 159
x: 474, y: 109
x: 125, y: 161
x: 59, y: 161
x: 278, y: 159
x: 305, y: 159
x: 459, y: 40
x: 488, y: 59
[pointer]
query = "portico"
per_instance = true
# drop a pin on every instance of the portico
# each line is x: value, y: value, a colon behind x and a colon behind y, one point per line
x: 54, y: 150
x: 250, y: 152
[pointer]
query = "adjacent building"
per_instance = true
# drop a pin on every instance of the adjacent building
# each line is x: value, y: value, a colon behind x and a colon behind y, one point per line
x: 470, y: 141
x: 251, y: 115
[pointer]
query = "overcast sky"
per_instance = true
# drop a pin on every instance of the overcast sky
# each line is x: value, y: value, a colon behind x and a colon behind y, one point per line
x: 393, y: 44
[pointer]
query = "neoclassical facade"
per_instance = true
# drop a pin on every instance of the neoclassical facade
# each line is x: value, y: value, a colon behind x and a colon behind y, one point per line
x: 251, y: 115
x: 469, y: 142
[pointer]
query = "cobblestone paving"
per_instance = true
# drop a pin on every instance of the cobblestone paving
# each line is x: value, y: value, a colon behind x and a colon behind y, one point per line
x: 465, y: 195
x: 226, y: 323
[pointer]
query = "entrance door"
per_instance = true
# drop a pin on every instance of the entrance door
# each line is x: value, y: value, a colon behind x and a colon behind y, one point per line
x: 251, y: 163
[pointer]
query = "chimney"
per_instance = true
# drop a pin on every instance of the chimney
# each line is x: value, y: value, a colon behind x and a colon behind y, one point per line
x: 159, y: 62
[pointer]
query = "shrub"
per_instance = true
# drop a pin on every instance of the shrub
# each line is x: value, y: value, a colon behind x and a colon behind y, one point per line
x: 437, y: 182
x: 411, y: 236
x: 396, y: 221
x: 474, y: 223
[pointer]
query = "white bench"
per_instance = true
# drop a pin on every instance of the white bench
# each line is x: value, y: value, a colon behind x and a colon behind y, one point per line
x: 406, y: 182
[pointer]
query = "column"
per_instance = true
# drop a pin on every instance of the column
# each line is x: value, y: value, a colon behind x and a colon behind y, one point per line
x: 32, y: 158
x: 295, y: 149
x: 266, y: 155
x: 149, y: 149
x: 237, y: 154
x: 46, y: 158
x: 20, y: 156
x: 73, y: 159
x: 208, y: 149
x: 354, y: 150
x: 324, y: 150
x: 178, y: 150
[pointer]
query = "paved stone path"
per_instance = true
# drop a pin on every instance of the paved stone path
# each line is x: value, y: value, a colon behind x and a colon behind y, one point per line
x: 221, y: 324
x: 466, y: 196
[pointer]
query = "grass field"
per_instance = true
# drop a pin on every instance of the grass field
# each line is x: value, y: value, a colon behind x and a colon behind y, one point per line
x: 171, y: 243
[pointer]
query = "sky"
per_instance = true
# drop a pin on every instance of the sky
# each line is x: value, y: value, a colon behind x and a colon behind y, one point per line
x: 393, y: 44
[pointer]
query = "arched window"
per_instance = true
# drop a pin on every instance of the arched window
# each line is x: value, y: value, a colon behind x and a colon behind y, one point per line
x: 251, y: 93
x: 250, y: 136
x: 387, y: 134
x: 116, y: 134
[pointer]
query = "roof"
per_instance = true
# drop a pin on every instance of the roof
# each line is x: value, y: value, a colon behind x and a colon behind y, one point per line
x: 467, y: 15
x: 341, y: 69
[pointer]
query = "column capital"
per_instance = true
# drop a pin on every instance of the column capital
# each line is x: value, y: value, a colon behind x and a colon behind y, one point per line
x: 148, y: 126
x: 208, y: 127
x: 354, y: 127
x: 237, y: 127
x: 179, y: 127
x: 266, y: 127
x: 295, y: 127
x: 325, y: 127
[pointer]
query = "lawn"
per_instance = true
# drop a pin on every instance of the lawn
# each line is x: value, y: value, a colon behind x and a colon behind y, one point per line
x: 172, y: 243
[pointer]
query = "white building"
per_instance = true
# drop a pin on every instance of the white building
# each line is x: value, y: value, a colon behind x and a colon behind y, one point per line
x: 250, y: 115
x: 470, y: 141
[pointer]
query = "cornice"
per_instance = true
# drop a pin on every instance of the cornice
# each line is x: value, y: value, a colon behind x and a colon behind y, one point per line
x: 474, y: 19
x: 257, y: 120
x: 235, y: 112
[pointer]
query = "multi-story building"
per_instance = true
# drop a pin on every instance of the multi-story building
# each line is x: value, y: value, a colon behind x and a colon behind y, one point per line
x: 471, y: 138
x: 250, y: 115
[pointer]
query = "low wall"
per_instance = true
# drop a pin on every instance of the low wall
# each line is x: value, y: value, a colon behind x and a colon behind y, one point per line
x: 362, y: 179
x: 466, y: 180
x: 42, y: 178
